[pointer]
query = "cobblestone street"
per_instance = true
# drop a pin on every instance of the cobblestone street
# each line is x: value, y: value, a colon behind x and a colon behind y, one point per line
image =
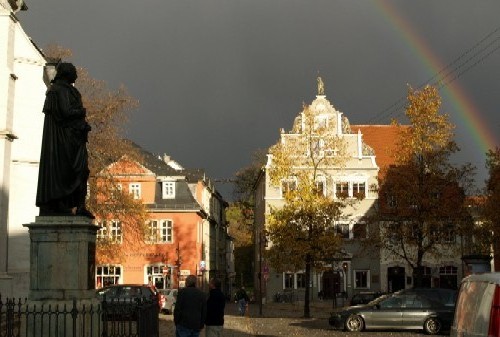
x: 281, y: 319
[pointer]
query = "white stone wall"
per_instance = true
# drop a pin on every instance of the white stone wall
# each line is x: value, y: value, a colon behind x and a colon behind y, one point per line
x: 21, y: 83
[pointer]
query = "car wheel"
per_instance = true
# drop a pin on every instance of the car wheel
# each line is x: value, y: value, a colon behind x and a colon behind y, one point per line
x: 354, y: 323
x: 432, y: 326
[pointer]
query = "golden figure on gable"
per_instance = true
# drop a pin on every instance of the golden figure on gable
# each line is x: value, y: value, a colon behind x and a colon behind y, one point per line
x: 321, y: 86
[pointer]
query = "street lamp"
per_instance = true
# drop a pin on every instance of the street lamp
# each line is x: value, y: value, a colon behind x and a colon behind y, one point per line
x: 262, y: 239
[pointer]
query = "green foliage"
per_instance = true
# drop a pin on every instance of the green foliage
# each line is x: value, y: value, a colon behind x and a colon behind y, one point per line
x: 240, y: 224
x: 303, y: 228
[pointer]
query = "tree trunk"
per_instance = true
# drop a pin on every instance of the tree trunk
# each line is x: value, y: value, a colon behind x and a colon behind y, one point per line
x: 307, y: 312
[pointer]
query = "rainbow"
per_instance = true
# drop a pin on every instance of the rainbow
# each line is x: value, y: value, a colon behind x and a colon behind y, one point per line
x: 453, y: 92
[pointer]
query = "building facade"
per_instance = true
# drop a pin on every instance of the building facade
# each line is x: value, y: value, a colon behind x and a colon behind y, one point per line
x: 22, y: 93
x: 356, y: 268
x: 350, y: 271
x: 185, y: 232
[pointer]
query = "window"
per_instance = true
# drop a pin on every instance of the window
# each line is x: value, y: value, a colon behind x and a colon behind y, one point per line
x: 301, y: 280
x: 107, y: 275
x: 358, y: 190
x: 342, y: 229
x: 361, y: 279
x: 448, y: 270
x: 288, y: 185
x: 391, y: 201
x: 448, y: 234
x: 159, y: 275
x: 160, y: 231
x: 359, y: 230
x: 135, y: 190
x: 320, y: 186
x: 116, y: 190
x: 110, y: 231
x: 288, y: 280
x: 168, y: 190
x: 342, y: 189
x: 393, y: 232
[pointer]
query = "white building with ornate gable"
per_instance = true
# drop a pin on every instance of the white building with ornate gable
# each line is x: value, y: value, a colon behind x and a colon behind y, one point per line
x: 352, y: 271
x: 22, y: 93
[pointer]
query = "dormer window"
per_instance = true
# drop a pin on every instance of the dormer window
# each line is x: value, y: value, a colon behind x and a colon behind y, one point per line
x: 135, y: 190
x: 168, y: 190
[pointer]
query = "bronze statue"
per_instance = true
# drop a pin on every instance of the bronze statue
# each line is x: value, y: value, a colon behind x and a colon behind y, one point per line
x: 63, y: 172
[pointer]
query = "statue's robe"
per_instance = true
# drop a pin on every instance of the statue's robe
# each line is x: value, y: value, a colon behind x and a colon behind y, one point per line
x: 63, y: 172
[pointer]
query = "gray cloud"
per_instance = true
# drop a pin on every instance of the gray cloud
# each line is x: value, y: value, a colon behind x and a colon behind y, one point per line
x: 217, y: 79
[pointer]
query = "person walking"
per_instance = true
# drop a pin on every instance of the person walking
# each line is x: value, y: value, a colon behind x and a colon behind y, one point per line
x: 242, y: 299
x: 190, y: 310
x: 215, y: 309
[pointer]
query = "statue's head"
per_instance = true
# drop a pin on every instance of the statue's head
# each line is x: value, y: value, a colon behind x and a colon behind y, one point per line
x: 66, y: 71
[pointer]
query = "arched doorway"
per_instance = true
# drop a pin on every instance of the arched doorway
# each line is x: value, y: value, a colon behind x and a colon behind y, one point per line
x: 395, y: 278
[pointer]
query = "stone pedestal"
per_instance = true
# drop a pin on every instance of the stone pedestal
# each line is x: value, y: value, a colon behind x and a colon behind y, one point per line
x: 62, y: 257
x: 62, y: 277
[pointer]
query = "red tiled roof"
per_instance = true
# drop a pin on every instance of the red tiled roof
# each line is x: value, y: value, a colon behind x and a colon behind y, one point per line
x: 382, y: 139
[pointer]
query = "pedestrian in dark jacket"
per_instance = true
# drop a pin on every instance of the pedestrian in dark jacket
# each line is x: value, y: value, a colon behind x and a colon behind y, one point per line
x: 190, y: 310
x: 242, y: 300
x: 215, y: 310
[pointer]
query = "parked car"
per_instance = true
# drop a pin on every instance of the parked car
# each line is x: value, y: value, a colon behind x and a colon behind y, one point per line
x: 170, y: 296
x: 478, y: 307
x: 399, y: 311
x: 446, y: 296
x: 364, y: 297
x: 120, y: 301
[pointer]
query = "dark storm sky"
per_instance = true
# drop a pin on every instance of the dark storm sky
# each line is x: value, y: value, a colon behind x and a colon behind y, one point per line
x: 216, y: 79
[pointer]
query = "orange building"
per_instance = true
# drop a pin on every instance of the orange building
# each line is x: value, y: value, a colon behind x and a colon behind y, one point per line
x: 185, y: 231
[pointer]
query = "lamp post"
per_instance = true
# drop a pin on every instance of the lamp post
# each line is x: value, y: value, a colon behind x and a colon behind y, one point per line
x: 263, y: 272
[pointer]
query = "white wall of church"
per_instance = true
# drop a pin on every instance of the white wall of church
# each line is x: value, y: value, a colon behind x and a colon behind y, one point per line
x: 21, y: 115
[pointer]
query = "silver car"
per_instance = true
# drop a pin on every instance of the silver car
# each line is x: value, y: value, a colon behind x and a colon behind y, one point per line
x: 398, y: 311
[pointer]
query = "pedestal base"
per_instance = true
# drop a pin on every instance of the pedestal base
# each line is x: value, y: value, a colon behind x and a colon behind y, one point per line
x: 5, y: 285
x: 62, y: 253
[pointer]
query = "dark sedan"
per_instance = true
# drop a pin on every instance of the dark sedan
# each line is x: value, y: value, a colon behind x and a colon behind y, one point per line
x: 122, y: 301
x: 398, y: 311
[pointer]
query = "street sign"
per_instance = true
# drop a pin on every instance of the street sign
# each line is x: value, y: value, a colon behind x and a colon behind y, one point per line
x: 266, y: 273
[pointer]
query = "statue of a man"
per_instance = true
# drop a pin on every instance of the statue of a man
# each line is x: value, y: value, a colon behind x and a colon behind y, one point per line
x: 63, y: 172
x: 321, y: 86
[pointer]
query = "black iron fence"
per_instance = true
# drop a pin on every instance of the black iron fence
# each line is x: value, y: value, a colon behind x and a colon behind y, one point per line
x: 24, y: 318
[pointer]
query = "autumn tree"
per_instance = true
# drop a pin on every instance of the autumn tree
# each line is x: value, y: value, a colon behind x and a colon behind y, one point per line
x: 422, y: 197
x: 240, y: 217
x: 490, y: 207
x: 301, y: 232
x: 107, y: 113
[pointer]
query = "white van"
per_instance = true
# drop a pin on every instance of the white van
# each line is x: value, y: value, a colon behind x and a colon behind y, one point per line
x: 477, y: 311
